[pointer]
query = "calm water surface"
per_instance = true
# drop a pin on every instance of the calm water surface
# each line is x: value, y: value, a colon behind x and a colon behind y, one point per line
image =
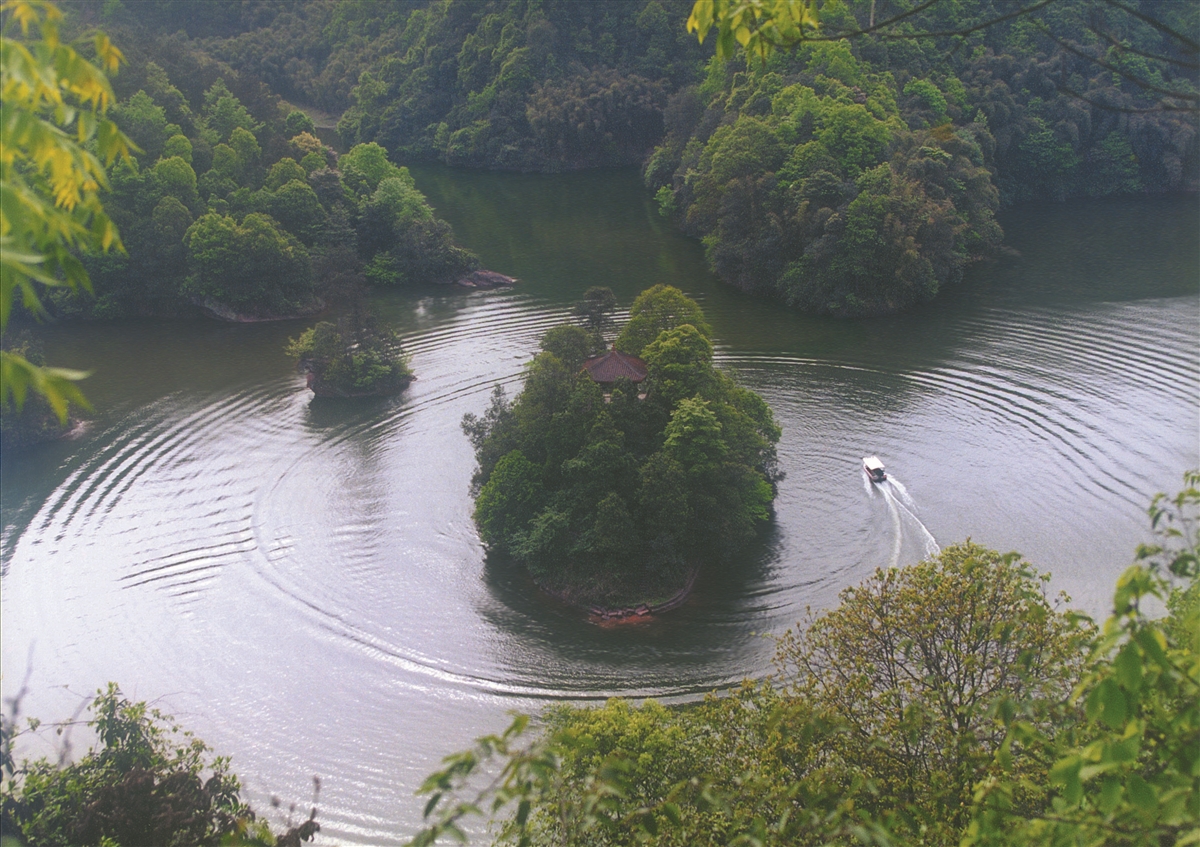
x: 300, y: 583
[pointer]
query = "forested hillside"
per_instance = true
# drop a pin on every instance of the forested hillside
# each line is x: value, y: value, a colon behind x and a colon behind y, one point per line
x: 852, y: 176
x: 233, y: 205
x: 949, y: 702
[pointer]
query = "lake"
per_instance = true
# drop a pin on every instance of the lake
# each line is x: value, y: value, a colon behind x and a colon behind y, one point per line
x: 299, y: 581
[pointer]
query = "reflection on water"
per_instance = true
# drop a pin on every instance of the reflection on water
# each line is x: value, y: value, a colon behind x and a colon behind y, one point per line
x: 300, y: 580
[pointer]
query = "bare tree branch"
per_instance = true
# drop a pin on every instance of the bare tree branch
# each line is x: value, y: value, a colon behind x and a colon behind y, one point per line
x: 1190, y: 45
x: 1108, y: 66
x: 1108, y: 107
x: 1112, y: 40
x: 872, y: 27
x: 943, y: 34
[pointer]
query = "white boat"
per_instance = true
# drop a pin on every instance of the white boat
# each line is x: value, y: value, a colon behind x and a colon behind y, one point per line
x: 874, y: 469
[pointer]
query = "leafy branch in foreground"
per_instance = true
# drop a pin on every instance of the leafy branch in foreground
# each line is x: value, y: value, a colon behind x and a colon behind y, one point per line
x: 762, y: 27
x: 530, y: 776
x: 619, y: 775
x: 55, y: 102
x: 759, y: 26
x: 1129, y: 774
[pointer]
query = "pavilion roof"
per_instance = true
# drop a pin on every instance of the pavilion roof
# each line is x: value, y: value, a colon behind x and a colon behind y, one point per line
x: 613, y: 365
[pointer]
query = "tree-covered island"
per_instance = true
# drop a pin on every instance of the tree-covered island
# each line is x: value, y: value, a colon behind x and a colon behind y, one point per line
x: 612, y: 490
x: 355, y: 357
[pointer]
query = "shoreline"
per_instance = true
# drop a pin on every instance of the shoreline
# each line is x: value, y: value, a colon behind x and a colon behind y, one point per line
x: 627, y: 614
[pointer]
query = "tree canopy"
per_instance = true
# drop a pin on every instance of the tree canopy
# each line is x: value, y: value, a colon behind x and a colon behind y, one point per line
x: 853, y: 164
x: 915, y: 662
x: 282, y: 208
x: 146, y: 781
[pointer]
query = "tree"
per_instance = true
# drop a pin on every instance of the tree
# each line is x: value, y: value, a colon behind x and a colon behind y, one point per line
x: 249, y: 155
x: 916, y: 661
x: 655, y: 310
x: 55, y: 105
x: 283, y: 172
x: 365, y: 166
x: 398, y: 231
x: 680, y: 362
x: 296, y: 206
x: 145, y: 122
x: 252, y: 265
x: 170, y: 221
x: 511, y: 498
x: 176, y: 178
x: 224, y: 113
x: 178, y: 145
x: 571, y: 344
x: 297, y: 122
x: 492, y: 435
x: 595, y: 310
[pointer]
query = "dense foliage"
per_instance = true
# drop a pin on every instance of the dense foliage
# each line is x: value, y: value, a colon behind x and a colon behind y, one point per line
x: 946, y: 703
x: 553, y: 85
x: 618, y: 498
x: 247, y: 214
x: 862, y: 176
x: 914, y: 663
x: 146, y: 782
x: 354, y: 357
x: 1129, y: 772
x: 843, y: 172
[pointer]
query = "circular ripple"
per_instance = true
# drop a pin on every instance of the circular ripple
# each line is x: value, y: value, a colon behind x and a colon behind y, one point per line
x: 302, y: 584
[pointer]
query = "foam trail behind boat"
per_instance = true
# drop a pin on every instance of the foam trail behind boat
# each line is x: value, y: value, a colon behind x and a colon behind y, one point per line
x: 902, y: 491
x: 897, y: 526
x: 893, y: 487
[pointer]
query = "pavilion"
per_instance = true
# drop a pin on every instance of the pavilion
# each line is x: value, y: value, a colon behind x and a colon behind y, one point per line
x: 612, y: 365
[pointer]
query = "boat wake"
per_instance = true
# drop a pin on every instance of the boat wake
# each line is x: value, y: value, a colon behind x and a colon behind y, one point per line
x: 903, y: 513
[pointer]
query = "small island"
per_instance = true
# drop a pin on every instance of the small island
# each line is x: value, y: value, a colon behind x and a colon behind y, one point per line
x: 617, y: 473
x: 355, y: 357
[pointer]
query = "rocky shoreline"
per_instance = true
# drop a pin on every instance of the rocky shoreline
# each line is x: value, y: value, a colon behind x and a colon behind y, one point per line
x: 320, y: 388
x: 608, y: 615
x: 485, y: 279
x: 213, y: 309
